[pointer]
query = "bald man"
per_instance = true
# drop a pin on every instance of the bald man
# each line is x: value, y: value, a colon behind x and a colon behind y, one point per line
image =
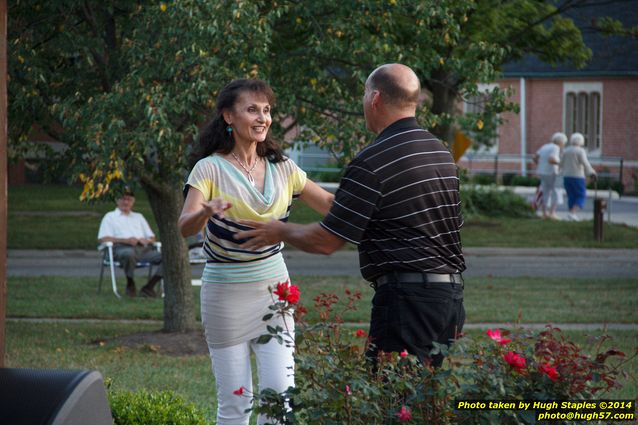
x: 399, y: 203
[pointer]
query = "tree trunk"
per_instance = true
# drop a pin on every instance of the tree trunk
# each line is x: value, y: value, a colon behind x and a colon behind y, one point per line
x: 179, y: 312
x: 444, y: 94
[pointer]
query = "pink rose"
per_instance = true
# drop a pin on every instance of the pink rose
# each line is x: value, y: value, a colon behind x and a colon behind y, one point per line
x: 495, y: 334
x: 404, y: 353
x: 404, y: 414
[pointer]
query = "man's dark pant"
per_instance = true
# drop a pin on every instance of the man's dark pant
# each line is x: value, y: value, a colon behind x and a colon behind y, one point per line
x: 128, y: 256
x: 410, y: 316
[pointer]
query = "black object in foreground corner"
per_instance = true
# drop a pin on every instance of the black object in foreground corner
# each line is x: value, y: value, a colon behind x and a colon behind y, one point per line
x: 53, y: 397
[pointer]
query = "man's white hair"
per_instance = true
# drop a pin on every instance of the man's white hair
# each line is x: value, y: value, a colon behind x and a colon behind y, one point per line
x: 577, y: 139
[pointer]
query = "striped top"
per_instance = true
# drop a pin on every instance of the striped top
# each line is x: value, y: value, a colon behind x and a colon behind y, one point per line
x: 399, y: 202
x: 215, y: 177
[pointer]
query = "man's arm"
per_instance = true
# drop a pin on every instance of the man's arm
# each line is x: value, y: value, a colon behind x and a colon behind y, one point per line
x: 307, y: 237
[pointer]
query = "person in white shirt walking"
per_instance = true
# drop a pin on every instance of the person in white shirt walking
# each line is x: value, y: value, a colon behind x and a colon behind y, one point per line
x: 547, y: 160
x: 575, y: 166
x: 133, y: 241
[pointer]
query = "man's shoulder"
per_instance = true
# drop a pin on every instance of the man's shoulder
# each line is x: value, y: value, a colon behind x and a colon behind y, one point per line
x: 136, y: 215
x: 110, y: 214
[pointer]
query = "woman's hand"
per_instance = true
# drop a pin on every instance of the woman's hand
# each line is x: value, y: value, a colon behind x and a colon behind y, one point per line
x: 215, y: 206
x: 197, y: 211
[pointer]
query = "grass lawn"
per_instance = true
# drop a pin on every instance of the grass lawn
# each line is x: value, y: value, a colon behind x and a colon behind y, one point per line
x: 52, y: 217
x: 534, y: 300
x: 74, y: 346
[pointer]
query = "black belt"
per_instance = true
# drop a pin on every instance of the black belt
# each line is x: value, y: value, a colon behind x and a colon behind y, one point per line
x: 411, y: 277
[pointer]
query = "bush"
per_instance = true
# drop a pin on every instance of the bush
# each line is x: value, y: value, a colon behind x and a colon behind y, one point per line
x: 492, y: 202
x: 524, y: 181
x: 533, y: 366
x: 326, y: 176
x: 484, y: 179
x: 605, y: 183
x: 336, y: 385
x: 153, y: 408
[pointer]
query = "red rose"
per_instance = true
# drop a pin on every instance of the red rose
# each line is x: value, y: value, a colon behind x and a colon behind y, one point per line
x: 548, y: 370
x: 361, y: 333
x: 239, y: 391
x: 404, y: 353
x: 287, y: 292
x: 515, y: 360
x: 293, y: 294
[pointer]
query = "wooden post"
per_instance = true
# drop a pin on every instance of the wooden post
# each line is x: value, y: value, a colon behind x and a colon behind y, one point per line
x: 3, y: 176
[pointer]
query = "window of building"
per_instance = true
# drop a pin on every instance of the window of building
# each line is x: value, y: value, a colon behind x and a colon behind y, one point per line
x: 583, y: 113
x: 476, y: 105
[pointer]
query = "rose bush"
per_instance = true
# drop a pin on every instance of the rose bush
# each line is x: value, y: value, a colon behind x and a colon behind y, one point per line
x: 337, y: 384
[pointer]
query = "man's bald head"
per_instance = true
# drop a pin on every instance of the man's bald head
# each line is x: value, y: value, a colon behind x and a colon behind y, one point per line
x: 397, y: 84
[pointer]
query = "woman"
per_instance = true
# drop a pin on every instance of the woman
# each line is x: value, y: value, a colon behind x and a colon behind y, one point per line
x: 574, y: 165
x: 547, y: 159
x: 242, y: 174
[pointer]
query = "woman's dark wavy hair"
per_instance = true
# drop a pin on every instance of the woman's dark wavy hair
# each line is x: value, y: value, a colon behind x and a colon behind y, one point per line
x: 214, y: 137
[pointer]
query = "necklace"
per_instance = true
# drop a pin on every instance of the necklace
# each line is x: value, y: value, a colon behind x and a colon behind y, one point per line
x: 251, y: 179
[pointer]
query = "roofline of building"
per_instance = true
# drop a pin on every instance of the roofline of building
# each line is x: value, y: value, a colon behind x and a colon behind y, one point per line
x: 554, y: 74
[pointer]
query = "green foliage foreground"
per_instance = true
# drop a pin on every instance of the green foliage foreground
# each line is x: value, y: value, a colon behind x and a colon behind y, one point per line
x: 337, y: 384
x: 153, y: 408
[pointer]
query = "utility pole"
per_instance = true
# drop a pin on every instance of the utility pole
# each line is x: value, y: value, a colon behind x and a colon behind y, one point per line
x: 3, y: 176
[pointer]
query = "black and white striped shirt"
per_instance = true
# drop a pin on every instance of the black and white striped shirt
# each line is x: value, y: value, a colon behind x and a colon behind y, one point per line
x: 399, y: 202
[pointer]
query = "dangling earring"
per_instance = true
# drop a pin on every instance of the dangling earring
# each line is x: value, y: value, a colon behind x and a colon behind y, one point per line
x: 229, y: 130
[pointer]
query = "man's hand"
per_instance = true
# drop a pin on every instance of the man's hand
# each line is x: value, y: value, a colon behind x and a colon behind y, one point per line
x: 263, y: 234
x: 131, y: 241
x: 145, y: 242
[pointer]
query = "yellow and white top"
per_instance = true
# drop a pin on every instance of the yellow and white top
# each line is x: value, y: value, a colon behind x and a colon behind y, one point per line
x: 215, y: 177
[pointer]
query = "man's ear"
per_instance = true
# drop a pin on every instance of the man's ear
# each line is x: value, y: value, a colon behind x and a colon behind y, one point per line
x: 376, y: 98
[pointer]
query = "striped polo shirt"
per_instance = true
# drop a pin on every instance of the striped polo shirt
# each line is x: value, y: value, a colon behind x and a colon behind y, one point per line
x: 216, y: 177
x: 399, y: 202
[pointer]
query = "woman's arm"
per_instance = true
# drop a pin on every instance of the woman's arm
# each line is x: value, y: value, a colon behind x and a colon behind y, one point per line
x: 316, y: 198
x: 196, y: 212
x: 589, y: 170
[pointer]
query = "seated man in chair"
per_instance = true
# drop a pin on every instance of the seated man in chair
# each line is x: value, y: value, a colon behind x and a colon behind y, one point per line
x: 133, y: 241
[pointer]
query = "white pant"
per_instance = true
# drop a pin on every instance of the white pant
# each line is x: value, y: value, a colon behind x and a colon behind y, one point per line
x: 232, y: 369
x: 548, y: 186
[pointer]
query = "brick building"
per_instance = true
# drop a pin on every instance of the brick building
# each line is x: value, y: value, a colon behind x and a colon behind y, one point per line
x: 599, y: 100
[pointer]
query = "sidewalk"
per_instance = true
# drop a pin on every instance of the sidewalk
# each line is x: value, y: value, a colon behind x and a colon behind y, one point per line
x: 481, y: 262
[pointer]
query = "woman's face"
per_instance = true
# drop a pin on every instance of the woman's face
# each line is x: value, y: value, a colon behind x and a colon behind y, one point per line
x: 250, y: 117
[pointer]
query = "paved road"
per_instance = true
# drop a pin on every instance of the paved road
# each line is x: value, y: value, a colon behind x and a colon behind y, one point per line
x: 498, y: 262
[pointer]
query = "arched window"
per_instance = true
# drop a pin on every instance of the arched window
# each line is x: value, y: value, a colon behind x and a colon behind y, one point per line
x: 583, y: 112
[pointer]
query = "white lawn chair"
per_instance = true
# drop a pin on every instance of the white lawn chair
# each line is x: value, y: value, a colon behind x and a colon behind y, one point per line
x: 196, y: 256
x: 107, y: 260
